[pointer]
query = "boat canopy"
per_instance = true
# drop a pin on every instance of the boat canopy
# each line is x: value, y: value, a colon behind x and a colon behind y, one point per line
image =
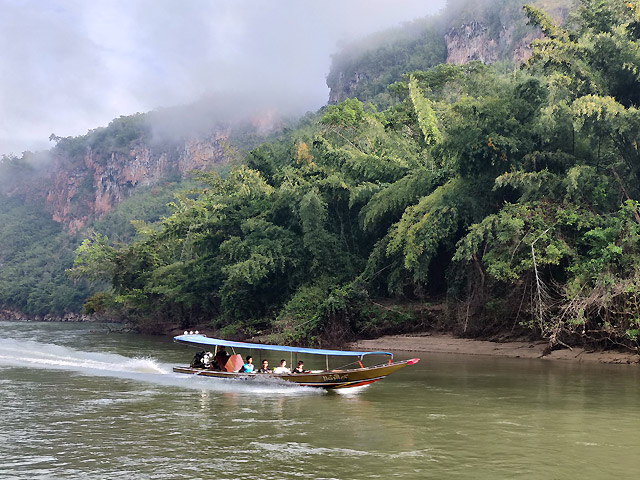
x: 203, y: 340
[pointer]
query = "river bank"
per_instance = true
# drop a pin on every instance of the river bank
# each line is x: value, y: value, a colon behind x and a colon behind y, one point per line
x: 8, y: 315
x: 444, y: 343
x: 418, y: 342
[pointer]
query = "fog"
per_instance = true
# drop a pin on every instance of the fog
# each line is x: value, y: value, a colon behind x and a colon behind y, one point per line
x: 68, y: 66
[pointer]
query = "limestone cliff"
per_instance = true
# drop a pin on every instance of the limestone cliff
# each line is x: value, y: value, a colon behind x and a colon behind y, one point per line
x: 346, y: 85
x: 473, y: 41
x: 101, y: 180
x: 503, y: 35
x: 467, y: 30
x: 83, y: 178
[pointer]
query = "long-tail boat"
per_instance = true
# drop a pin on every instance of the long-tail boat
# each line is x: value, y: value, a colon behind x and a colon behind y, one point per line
x: 351, y: 375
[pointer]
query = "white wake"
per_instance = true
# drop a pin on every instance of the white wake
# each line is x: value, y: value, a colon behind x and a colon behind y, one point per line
x: 45, y: 356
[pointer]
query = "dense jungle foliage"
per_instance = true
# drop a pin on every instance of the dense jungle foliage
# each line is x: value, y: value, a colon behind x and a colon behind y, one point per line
x: 36, y: 251
x: 512, y: 197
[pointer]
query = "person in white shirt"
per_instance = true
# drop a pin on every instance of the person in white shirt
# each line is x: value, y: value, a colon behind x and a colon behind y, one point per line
x: 282, y: 368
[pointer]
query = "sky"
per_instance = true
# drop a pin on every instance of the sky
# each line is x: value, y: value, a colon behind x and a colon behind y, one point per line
x: 68, y: 66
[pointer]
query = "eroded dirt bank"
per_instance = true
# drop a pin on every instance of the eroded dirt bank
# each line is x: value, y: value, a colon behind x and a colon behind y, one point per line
x: 442, y: 343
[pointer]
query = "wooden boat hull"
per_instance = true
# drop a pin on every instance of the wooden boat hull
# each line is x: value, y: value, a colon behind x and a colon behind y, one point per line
x: 323, y: 379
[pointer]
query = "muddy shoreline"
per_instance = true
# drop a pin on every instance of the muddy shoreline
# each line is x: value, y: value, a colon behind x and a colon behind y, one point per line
x: 444, y: 343
x: 429, y: 343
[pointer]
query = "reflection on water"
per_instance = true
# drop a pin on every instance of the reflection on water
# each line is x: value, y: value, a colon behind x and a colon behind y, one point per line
x: 75, y: 401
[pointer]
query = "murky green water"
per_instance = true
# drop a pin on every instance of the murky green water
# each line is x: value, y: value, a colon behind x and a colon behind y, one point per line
x: 76, y: 402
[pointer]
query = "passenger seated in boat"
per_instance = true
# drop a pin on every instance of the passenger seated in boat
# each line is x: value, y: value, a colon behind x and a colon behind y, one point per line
x: 300, y: 368
x: 248, y: 366
x: 282, y: 368
x: 265, y: 367
x: 221, y: 358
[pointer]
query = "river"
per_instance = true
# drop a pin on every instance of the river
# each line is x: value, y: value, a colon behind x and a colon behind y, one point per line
x: 77, y: 402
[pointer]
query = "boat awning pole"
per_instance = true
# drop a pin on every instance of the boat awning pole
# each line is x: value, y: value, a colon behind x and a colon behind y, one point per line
x: 327, y: 361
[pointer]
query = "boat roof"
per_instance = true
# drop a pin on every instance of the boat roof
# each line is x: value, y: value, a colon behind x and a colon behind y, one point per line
x: 203, y: 340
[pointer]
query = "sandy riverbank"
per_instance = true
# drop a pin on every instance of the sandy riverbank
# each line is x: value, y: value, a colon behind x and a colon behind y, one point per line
x: 440, y: 343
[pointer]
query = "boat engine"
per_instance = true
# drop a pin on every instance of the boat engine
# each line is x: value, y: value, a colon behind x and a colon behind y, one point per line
x: 207, y: 359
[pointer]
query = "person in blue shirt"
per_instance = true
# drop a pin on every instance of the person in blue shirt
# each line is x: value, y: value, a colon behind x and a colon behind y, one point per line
x: 248, y: 366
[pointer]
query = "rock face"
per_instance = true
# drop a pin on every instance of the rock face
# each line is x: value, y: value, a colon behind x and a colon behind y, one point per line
x: 473, y: 41
x: 344, y: 86
x: 79, y: 191
x: 9, y: 315
x: 487, y: 32
x: 83, y: 178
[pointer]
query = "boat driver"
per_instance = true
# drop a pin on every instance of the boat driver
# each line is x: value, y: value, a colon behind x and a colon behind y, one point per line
x: 221, y: 357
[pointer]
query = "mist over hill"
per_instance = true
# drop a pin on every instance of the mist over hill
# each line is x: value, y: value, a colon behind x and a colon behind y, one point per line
x: 467, y: 30
x: 85, y: 63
